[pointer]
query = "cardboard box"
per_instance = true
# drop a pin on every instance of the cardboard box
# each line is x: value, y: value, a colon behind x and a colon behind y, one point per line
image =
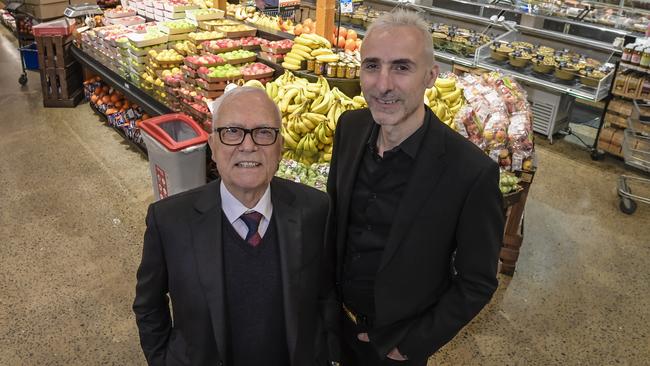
x: 46, y: 11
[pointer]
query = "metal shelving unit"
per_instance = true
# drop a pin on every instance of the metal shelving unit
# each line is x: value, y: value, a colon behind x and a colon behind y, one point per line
x: 130, y: 90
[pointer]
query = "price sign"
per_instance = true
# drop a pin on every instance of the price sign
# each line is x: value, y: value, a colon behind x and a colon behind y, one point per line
x: 288, y: 3
x: 346, y: 6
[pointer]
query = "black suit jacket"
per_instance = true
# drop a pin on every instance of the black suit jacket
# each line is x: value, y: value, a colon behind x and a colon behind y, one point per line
x: 452, y: 204
x: 182, y: 257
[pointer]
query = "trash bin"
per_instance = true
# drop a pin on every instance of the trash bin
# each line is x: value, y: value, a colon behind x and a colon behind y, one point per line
x: 176, y: 146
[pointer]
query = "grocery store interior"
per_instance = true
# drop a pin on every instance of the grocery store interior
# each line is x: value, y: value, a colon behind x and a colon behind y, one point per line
x: 75, y: 186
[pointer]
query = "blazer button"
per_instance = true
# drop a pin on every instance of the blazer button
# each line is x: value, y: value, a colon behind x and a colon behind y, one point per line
x: 220, y: 363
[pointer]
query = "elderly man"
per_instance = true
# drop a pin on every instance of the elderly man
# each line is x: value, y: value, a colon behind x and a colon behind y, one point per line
x: 239, y: 258
x: 416, y: 207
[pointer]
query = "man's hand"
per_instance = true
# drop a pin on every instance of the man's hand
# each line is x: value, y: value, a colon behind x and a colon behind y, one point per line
x: 394, y: 354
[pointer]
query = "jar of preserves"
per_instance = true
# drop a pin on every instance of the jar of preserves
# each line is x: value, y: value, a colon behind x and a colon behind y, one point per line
x: 636, y: 55
x: 310, y: 65
x: 319, y: 67
x: 331, y: 69
x: 351, y: 71
x: 645, y: 58
x: 340, y: 70
x: 627, y: 52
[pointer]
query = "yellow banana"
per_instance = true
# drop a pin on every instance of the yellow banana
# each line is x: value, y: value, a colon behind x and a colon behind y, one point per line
x: 324, y: 104
x: 289, y: 141
x: 289, y: 66
x: 294, y: 56
x: 321, y: 51
x: 315, y: 117
x: 301, y: 53
x: 308, y: 123
x: 328, y: 58
x: 318, y: 39
x: 302, y: 47
x: 445, y: 83
x: 288, y: 96
x: 307, y: 42
x: 451, y: 97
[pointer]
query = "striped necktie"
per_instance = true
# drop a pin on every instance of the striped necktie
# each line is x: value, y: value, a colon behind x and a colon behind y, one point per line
x: 252, y: 221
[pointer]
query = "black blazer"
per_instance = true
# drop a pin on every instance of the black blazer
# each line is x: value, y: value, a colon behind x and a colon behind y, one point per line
x: 452, y: 203
x: 182, y: 257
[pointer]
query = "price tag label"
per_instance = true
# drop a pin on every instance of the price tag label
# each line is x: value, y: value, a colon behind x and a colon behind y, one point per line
x: 346, y: 6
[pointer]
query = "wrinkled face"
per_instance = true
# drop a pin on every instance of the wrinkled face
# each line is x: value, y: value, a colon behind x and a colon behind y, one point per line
x: 246, y: 168
x: 395, y: 71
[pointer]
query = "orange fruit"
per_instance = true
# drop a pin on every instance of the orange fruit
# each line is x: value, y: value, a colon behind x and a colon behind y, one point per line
x: 341, y: 42
x: 351, y: 34
x: 308, y: 22
x: 297, y: 30
x: 343, y: 32
x: 350, y: 45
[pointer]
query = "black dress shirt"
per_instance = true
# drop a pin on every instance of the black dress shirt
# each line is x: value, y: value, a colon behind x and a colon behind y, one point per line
x: 380, y: 184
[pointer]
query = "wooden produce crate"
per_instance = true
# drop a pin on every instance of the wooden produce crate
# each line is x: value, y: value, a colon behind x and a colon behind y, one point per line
x: 513, y: 234
x: 53, y: 51
x: 62, y: 87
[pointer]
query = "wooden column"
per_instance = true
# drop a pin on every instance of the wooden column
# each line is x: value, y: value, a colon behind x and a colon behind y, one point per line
x: 325, y: 10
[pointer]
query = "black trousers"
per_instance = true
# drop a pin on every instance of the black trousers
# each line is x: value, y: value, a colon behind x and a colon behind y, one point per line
x: 359, y: 353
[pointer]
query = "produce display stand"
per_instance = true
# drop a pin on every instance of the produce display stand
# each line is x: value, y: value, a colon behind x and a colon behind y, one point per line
x: 513, y: 234
x: 130, y: 90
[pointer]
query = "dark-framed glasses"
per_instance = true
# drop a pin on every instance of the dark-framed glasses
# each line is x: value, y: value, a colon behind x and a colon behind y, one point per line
x: 262, y: 136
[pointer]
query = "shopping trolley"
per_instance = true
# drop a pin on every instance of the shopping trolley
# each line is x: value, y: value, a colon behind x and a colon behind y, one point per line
x: 636, y: 152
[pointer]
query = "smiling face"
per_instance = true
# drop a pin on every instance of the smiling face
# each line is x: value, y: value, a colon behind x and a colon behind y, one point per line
x: 395, y: 71
x: 246, y: 169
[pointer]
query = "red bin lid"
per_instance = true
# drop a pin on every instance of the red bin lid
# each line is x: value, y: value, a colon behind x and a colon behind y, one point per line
x: 153, y: 127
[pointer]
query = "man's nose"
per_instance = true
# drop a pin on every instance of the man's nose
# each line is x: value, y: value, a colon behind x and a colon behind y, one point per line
x: 248, y: 144
x: 384, y: 80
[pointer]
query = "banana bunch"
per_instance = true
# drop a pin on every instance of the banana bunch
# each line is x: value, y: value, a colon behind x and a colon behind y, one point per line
x: 445, y: 99
x: 309, y: 47
x: 310, y: 112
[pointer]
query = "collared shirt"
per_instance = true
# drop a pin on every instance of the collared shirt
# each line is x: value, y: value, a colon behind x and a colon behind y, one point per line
x: 378, y: 189
x: 234, y: 209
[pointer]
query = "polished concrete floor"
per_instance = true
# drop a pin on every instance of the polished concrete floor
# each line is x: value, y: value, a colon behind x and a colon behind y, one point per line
x: 73, y: 197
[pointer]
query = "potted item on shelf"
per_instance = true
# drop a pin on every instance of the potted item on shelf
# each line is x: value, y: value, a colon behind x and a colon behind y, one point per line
x: 543, y: 64
x: 591, y: 77
x: 519, y: 58
x: 500, y: 51
x: 565, y: 71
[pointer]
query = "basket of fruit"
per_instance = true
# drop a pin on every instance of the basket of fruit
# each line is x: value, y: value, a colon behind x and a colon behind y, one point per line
x: 210, y: 86
x: 166, y: 57
x: 238, y: 31
x: 199, y: 37
x: 176, y: 26
x: 251, y: 43
x: 221, y: 45
x: 207, y: 60
x: 278, y: 47
x: 256, y: 71
x: 204, y: 14
x: 239, y: 57
x: 215, y: 74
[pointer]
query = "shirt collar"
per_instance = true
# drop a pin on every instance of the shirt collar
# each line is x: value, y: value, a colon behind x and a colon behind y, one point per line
x: 412, y: 143
x: 234, y: 209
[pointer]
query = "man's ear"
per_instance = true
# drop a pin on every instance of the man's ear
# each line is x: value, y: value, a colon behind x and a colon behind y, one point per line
x: 432, y: 75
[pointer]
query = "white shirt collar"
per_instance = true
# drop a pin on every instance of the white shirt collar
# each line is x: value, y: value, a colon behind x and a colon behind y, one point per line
x: 234, y: 209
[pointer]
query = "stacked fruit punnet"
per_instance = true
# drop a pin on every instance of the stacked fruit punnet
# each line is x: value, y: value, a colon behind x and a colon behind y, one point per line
x: 309, y: 47
x: 445, y: 99
x: 310, y: 112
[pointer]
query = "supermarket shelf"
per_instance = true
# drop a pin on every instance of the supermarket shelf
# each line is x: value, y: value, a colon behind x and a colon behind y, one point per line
x: 271, y: 34
x: 131, y: 91
x: 634, y: 67
x: 629, y: 98
x: 142, y: 149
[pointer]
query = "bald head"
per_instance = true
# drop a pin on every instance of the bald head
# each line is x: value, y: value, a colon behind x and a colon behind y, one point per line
x: 246, y: 98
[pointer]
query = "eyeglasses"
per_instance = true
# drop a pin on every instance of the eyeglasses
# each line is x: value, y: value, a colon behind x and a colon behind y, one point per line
x: 262, y: 136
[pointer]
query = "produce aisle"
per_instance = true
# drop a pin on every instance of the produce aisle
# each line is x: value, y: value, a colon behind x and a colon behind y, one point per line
x: 73, y: 195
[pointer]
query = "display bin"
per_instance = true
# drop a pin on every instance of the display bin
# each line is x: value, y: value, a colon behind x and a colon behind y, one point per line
x: 30, y: 55
x: 176, y: 146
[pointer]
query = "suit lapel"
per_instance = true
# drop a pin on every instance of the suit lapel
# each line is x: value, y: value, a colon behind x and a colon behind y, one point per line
x: 288, y: 223
x: 427, y: 170
x: 347, y: 175
x: 208, y: 251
